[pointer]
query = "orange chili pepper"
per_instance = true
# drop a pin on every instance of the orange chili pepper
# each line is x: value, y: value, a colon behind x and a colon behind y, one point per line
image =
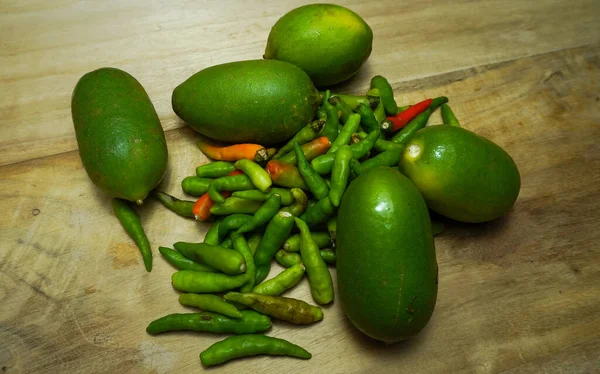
x: 201, y: 208
x: 254, y: 152
x: 285, y: 174
x: 312, y: 150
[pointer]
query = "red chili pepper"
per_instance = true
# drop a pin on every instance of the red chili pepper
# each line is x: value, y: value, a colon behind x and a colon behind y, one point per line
x: 401, y: 119
x: 201, y: 208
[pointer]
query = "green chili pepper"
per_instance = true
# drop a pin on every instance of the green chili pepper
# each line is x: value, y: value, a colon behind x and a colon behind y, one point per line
x: 181, y: 207
x: 277, y: 231
x: 321, y: 114
x: 212, y: 235
x: 215, y: 169
x: 133, y: 226
x: 330, y: 130
x: 210, y: 303
x: 286, y: 195
x: 332, y: 228
x: 379, y: 113
x: 353, y: 101
x: 349, y: 128
x: 203, y: 282
x: 181, y: 262
x: 319, y: 213
x: 387, y: 158
x: 435, y: 103
x: 195, y: 186
x: 230, y: 183
x: 227, y: 243
x: 253, y: 241
x: 367, y: 118
x: 250, y: 322
x: 322, y: 239
x: 226, y: 260
x: 386, y: 94
x: 263, y: 215
x: 328, y: 256
x: 437, y: 227
x: 321, y: 285
x: 299, y: 205
x: 283, y: 308
x: 448, y: 116
x: 250, y: 345
x: 313, y: 180
x: 343, y: 108
x: 240, y: 245
x: 340, y: 174
x: 323, y: 164
x: 287, y: 259
x: 416, y: 124
x: 305, y: 135
x: 231, y: 223
x: 259, y: 176
x: 381, y: 145
x: 281, y: 282
x: 233, y: 205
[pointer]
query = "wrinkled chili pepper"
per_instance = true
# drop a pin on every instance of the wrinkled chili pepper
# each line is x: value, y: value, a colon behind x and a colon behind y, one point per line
x: 180, y: 207
x: 316, y: 184
x: 283, y: 308
x: 254, y: 152
x: 133, y: 226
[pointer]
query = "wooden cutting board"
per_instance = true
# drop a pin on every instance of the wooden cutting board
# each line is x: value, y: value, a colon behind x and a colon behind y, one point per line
x: 520, y: 294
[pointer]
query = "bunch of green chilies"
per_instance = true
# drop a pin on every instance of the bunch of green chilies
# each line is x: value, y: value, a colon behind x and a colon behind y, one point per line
x: 258, y: 198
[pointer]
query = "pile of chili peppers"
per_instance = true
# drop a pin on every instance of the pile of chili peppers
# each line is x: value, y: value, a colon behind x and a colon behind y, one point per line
x: 256, y: 197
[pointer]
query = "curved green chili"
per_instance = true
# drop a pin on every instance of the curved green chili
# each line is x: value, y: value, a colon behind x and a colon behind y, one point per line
x: 263, y: 215
x: 448, y: 116
x: 232, y: 222
x: 286, y: 195
x: 367, y: 118
x: 353, y: 100
x: 321, y: 284
x: 240, y: 245
x: 339, y: 174
x: 203, y: 282
x: 343, y: 108
x: 195, y: 186
x: 210, y: 303
x: 229, y: 183
x: 387, y: 158
x: 313, y: 180
x: 180, y: 207
x: 322, y: 239
x: 381, y: 145
x: 233, y: 205
x: 330, y: 130
x: 349, y: 128
x: 299, y: 205
x: 250, y: 345
x: 249, y: 323
x: 435, y: 103
x: 319, y: 213
x: 287, y: 259
x: 183, y: 263
x: 215, y: 169
x: 281, y: 282
x: 416, y: 124
x: 133, y: 226
x: 386, y: 94
x: 226, y: 260
x: 277, y: 231
x: 259, y: 176
x: 323, y: 164
x: 283, y: 308
x: 305, y: 135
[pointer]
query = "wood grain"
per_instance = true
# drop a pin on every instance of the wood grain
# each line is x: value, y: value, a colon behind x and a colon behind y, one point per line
x: 520, y: 294
x: 47, y: 47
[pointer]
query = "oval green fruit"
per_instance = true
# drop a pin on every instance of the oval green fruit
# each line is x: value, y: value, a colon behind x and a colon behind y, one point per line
x: 327, y: 41
x: 258, y: 101
x: 462, y: 175
x: 386, y: 263
x: 121, y: 142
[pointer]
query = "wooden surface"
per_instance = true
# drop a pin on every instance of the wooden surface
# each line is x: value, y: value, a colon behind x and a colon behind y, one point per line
x: 518, y: 295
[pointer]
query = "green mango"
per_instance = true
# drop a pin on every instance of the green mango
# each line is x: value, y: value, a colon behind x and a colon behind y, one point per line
x: 121, y: 142
x: 386, y: 263
x: 257, y: 101
x: 462, y: 175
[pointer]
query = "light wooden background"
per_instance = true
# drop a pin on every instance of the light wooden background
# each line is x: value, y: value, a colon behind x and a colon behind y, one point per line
x: 518, y: 295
